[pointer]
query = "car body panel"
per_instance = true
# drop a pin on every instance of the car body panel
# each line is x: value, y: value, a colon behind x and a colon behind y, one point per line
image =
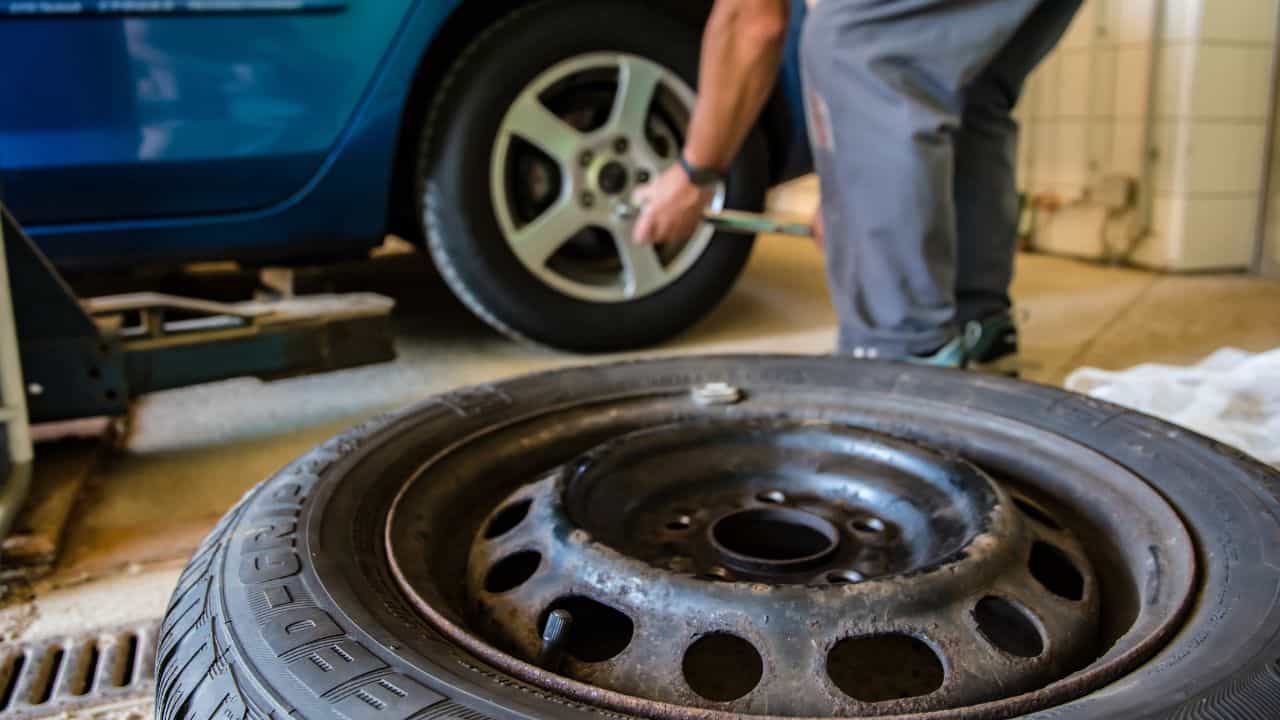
x: 145, y: 136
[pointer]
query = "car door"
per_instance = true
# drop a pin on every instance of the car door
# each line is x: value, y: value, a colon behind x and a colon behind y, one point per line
x: 126, y: 109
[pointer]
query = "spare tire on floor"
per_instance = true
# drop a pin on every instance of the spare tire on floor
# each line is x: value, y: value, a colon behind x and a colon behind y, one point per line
x: 741, y: 536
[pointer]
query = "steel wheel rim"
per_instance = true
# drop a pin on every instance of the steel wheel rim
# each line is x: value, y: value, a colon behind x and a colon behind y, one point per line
x: 1147, y: 632
x: 585, y: 160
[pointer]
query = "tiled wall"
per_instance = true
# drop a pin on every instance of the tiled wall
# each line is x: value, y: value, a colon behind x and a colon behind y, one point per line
x: 1083, y: 115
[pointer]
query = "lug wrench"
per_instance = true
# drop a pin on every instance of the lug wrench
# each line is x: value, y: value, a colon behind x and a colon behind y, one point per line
x: 736, y: 222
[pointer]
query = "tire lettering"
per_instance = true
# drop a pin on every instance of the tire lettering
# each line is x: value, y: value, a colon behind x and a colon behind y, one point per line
x: 296, y: 627
x: 270, y: 565
x: 277, y: 595
x: 272, y: 534
x: 329, y: 670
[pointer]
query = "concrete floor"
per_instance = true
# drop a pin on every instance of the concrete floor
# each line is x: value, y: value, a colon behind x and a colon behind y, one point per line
x: 190, y: 453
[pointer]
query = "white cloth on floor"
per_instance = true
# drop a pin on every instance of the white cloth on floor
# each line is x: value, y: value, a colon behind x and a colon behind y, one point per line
x: 1232, y: 396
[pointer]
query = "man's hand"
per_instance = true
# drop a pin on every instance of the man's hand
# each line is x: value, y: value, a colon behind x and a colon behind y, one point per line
x: 672, y: 208
x: 741, y: 52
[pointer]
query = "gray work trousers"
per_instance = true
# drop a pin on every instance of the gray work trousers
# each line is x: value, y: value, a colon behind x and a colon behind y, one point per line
x: 910, y: 117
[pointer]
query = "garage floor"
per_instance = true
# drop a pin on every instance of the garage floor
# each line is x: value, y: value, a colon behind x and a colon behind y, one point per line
x: 189, y: 454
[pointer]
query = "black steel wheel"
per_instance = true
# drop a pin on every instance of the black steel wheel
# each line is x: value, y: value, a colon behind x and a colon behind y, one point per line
x: 741, y: 536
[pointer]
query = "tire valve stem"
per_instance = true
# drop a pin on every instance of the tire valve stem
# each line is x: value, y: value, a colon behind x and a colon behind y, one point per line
x: 554, y: 634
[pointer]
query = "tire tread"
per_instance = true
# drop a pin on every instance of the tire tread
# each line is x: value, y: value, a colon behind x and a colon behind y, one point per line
x: 196, y: 677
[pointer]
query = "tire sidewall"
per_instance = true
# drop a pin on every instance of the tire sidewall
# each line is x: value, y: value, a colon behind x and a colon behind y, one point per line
x: 454, y: 175
x: 329, y: 561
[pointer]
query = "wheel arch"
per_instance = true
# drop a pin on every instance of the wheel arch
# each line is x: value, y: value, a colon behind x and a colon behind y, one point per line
x: 462, y: 26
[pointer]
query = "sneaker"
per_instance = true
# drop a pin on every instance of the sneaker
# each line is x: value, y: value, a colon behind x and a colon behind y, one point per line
x: 991, y: 345
x: 952, y: 355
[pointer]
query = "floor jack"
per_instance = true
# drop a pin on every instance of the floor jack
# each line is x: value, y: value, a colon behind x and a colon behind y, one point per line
x: 63, y: 357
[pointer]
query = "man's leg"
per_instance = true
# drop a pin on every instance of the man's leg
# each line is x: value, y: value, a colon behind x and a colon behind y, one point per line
x: 986, y: 146
x: 885, y: 81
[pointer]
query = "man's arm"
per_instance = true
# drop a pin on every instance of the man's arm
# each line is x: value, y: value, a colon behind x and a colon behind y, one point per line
x: 741, y: 51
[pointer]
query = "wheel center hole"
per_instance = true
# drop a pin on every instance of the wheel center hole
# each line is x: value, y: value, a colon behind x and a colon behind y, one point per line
x: 613, y: 178
x: 774, y: 535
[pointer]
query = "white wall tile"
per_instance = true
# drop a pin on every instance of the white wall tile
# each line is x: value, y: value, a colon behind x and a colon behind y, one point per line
x: 1224, y: 157
x: 1161, y: 247
x: 1085, y: 107
x: 1128, y: 21
x: 1218, y: 232
x: 1047, y: 78
x: 1100, y: 139
x: 1069, y: 163
x: 1074, y: 85
x: 1182, y: 18
x: 1102, y: 86
x: 1237, y: 21
x: 1232, y: 81
x: 1177, y: 79
x: 1130, y: 82
x: 1126, y: 148
x: 1271, y: 250
x: 1171, y: 157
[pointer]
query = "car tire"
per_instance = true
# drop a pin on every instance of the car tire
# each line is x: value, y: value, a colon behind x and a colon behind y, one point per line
x: 457, y: 202
x: 296, y: 577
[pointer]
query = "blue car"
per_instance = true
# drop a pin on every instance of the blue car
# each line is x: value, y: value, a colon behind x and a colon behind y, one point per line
x: 498, y: 135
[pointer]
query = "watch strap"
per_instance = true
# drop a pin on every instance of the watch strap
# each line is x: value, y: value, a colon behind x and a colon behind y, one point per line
x: 701, y: 176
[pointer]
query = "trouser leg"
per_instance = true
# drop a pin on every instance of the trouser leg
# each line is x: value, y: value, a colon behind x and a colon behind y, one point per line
x: 986, y: 150
x: 885, y: 80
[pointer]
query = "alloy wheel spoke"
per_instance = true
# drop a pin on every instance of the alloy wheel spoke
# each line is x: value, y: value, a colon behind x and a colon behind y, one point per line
x: 538, y: 240
x: 642, y: 269
x: 637, y: 82
x: 533, y: 121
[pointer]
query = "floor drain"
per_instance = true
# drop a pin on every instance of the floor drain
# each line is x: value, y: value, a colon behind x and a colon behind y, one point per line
x: 73, y: 674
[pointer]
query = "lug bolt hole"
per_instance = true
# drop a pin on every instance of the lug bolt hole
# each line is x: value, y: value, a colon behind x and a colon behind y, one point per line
x: 512, y: 571
x: 773, y: 497
x: 621, y: 145
x: 722, y: 667
x: 506, y: 519
x: 585, y: 158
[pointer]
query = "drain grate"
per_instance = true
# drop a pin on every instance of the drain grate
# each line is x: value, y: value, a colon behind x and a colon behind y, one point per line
x: 78, y: 673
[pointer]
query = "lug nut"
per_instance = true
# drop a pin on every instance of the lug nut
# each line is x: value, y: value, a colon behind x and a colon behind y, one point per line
x: 585, y: 158
x: 716, y: 393
x: 642, y: 176
x: 588, y: 200
x: 620, y: 145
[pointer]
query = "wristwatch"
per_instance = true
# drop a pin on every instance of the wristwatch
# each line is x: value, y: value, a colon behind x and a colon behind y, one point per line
x: 700, y: 176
